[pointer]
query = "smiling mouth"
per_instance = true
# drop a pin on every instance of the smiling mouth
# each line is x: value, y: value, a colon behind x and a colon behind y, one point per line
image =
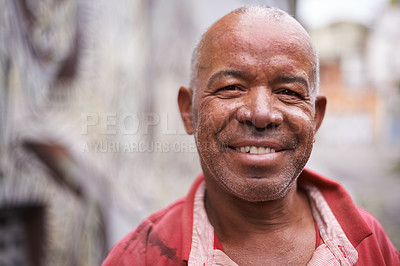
x: 254, y: 149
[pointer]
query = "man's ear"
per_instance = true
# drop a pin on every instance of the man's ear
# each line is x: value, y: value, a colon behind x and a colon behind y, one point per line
x: 320, y: 107
x: 185, y: 108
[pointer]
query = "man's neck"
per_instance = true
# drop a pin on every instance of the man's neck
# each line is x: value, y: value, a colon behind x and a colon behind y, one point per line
x: 278, y: 232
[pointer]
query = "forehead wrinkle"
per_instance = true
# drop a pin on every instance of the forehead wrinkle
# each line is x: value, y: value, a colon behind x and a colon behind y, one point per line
x: 291, y: 47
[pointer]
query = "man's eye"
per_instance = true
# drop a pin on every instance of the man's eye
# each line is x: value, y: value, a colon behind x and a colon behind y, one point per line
x: 289, y: 92
x: 229, y: 88
x: 230, y: 91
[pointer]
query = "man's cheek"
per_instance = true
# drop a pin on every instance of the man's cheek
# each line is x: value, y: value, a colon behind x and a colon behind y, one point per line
x: 300, y: 124
x: 297, y: 127
x: 211, y: 122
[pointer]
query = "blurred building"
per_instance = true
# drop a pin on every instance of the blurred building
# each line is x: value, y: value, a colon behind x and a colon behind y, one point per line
x: 359, y: 77
x: 353, y: 104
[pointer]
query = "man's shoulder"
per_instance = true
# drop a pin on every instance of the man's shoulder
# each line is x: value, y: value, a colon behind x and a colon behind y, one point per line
x: 377, y: 248
x: 159, y: 234
x: 361, y: 227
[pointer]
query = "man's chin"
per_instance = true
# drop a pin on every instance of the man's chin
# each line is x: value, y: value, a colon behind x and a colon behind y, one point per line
x: 258, y: 189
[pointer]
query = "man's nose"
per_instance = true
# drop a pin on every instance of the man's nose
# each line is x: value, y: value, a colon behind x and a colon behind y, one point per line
x: 258, y: 109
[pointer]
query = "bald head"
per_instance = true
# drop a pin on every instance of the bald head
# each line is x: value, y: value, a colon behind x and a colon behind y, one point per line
x: 253, y: 22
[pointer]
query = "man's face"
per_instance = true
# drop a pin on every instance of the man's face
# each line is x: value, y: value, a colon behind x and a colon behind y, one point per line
x: 253, y: 113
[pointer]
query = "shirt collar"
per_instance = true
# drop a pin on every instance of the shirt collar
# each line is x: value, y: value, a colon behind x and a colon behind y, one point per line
x: 339, y: 202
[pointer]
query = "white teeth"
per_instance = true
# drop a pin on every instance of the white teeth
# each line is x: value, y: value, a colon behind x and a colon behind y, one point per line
x: 255, y: 150
x: 261, y: 150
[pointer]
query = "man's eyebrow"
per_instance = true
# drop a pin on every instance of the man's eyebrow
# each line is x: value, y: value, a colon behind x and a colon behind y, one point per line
x: 224, y: 73
x: 293, y: 79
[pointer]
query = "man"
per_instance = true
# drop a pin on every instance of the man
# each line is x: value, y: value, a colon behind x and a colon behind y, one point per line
x: 253, y: 108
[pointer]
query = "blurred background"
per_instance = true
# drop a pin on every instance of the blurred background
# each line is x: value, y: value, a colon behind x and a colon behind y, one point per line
x: 90, y: 136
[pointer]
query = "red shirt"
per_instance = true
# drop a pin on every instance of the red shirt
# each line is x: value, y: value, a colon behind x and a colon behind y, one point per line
x: 165, y: 238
